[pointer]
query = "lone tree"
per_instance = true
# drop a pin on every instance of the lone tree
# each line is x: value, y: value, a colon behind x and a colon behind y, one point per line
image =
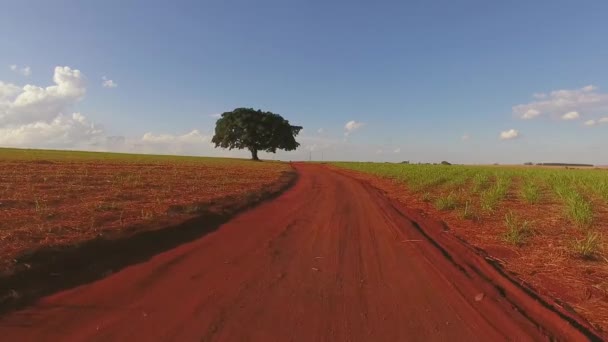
x: 256, y: 131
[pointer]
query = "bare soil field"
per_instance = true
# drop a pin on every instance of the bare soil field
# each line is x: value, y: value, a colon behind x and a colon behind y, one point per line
x: 52, y: 201
x: 547, y: 226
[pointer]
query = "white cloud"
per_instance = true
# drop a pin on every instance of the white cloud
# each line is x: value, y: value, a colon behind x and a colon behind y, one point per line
x: 590, y: 123
x: 25, y: 71
x: 466, y: 137
x: 320, y: 131
x: 352, y: 126
x: 530, y: 114
x: 39, y: 117
x: 571, y: 116
x: 509, y: 135
x: 594, y: 122
x: 61, y: 132
x: 107, y: 83
x: 586, y: 100
x: 33, y: 116
x: 8, y: 93
x: 32, y: 103
x: 216, y: 115
x: 397, y: 150
x: 589, y: 88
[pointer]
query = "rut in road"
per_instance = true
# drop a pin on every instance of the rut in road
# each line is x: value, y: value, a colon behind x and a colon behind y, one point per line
x: 331, y: 259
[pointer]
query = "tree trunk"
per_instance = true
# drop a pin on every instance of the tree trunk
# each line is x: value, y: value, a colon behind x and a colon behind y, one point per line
x: 254, y: 154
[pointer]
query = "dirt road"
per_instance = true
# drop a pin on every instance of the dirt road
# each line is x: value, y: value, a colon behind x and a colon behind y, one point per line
x: 331, y: 259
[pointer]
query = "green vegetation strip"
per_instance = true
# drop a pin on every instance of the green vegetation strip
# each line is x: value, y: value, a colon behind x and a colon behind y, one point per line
x: 580, y: 192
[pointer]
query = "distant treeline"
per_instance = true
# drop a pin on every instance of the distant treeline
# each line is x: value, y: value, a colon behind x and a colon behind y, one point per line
x: 562, y: 164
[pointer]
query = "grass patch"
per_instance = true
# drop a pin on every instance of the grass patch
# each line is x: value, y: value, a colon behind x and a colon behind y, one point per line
x: 530, y: 193
x: 448, y: 202
x: 602, y: 190
x: 491, y: 198
x: 481, y: 182
x: 518, y: 231
x: 587, y: 248
x: 579, y: 210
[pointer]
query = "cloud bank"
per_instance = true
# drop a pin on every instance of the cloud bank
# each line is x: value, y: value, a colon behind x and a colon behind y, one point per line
x: 44, y: 117
x: 564, y: 104
x: 34, y: 116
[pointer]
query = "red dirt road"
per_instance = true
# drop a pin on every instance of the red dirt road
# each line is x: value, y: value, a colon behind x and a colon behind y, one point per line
x: 331, y: 259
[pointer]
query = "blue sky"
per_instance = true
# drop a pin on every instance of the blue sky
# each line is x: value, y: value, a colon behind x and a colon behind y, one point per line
x: 420, y: 80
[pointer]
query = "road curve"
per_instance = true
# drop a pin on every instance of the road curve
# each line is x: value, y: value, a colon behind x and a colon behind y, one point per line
x: 331, y: 259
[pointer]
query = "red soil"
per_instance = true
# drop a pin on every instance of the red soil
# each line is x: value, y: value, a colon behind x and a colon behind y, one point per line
x: 544, y: 262
x: 331, y: 259
x: 62, y: 203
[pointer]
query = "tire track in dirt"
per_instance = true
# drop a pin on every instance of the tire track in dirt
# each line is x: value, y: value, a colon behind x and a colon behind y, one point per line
x: 332, y: 259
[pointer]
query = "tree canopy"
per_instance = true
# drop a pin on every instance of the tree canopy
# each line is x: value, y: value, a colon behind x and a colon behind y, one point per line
x: 246, y: 128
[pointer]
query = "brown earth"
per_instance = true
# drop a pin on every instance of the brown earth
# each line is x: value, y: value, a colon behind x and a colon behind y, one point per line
x: 62, y: 202
x: 331, y: 259
x: 545, y: 261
